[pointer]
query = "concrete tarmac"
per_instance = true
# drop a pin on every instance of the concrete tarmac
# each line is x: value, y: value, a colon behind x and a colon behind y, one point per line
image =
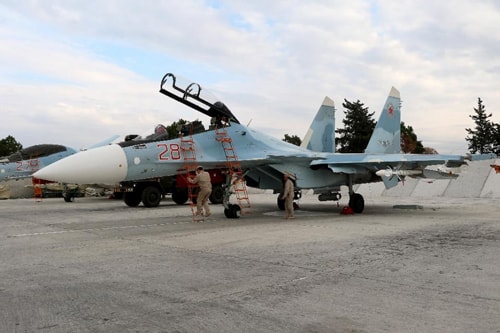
x: 96, y: 265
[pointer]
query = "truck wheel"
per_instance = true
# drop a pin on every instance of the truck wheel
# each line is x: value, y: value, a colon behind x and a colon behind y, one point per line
x: 217, y: 195
x: 151, y: 196
x: 132, y: 199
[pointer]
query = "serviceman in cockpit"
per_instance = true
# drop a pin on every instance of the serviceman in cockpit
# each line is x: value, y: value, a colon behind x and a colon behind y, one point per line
x: 161, y: 132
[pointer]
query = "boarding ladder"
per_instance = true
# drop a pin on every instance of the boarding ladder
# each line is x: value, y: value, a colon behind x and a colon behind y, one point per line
x: 190, y: 165
x: 233, y: 165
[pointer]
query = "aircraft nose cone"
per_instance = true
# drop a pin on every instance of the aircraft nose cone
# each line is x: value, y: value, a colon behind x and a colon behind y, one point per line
x: 103, y: 165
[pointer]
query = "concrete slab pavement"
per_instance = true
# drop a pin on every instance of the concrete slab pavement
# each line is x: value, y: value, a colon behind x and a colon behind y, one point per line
x: 96, y: 265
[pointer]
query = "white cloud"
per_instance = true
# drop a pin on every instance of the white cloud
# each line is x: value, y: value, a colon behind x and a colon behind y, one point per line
x: 76, y: 72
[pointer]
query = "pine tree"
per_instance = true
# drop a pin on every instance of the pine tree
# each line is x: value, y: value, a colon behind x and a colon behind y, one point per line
x: 358, y: 128
x: 409, y: 142
x: 481, y: 138
x: 293, y: 139
x: 9, y: 145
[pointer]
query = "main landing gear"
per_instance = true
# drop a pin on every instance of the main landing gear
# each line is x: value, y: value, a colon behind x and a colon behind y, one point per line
x: 356, y: 200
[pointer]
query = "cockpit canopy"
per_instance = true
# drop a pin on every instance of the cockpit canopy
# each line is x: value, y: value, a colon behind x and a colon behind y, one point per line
x: 34, y: 152
x: 194, y: 96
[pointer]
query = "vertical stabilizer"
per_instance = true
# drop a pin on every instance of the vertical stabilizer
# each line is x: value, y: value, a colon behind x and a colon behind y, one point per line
x: 386, y: 137
x: 321, y: 134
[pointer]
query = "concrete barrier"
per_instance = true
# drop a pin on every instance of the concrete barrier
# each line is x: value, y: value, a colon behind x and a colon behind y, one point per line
x: 477, y: 179
x: 470, y: 182
x: 491, y: 188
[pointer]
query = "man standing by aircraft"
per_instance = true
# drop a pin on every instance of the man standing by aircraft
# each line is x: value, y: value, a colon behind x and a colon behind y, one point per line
x: 288, y: 194
x: 202, y: 178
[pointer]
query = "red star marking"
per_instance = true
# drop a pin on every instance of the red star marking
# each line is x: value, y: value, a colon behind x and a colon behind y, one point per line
x: 390, y: 110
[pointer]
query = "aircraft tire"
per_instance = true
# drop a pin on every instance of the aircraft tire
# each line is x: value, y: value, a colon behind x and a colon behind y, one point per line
x: 68, y: 197
x: 217, y: 195
x: 232, y: 212
x: 235, y: 211
x: 151, y: 196
x: 180, y: 196
x: 357, y: 203
x: 280, y: 202
x: 132, y: 199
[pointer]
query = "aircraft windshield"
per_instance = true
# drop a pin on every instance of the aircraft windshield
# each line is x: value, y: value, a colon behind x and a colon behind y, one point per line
x: 161, y: 132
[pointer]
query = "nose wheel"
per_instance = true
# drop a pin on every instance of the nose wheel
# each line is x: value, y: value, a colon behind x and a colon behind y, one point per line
x: 233, y: 211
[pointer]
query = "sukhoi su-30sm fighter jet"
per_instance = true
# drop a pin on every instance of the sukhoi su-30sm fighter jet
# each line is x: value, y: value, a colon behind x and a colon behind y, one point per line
x: 263, y: 159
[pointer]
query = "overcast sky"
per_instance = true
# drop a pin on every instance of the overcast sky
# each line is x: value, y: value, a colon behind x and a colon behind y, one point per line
x: 77, y: 72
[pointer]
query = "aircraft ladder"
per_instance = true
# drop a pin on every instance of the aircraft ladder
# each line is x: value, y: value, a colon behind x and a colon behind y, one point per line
x: 235, y: 171
x: 190, y: 165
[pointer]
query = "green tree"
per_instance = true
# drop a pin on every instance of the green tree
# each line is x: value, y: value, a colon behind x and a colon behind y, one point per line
x: 481, y: 138
x: 174, y: 128
x: 293, y: 139
x: 358, y: 128
x: 409, y: 142
x: 9, y: 145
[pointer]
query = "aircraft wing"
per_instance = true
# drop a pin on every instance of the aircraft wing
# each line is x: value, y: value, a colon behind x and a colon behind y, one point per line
x: 391, y: 167
x: 377, y: 161
x: 402, y: 161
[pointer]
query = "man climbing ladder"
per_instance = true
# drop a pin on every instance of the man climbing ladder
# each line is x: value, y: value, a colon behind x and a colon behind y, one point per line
x: 202, y: 178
